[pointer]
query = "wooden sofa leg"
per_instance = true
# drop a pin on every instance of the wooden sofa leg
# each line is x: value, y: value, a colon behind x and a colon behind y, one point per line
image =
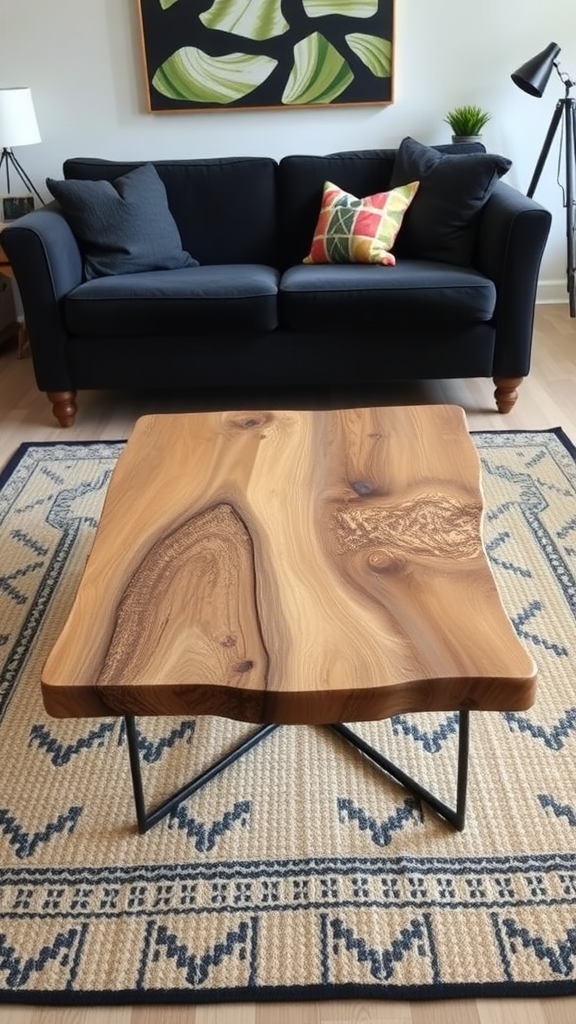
x: 506, y: 393
x: 63, y: 406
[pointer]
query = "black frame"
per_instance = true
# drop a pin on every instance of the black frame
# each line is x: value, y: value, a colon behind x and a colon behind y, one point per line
x: 14, y: 207
x: 456, y: 816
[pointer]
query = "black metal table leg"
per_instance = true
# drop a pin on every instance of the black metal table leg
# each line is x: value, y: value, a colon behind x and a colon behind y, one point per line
x: 456, y: 816
x: 147, y: 820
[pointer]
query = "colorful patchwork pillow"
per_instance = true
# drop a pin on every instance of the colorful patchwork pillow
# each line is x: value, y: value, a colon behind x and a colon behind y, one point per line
x: 352, y: 230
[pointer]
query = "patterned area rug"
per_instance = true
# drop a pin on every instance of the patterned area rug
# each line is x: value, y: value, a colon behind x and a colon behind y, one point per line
x: 301, y: 872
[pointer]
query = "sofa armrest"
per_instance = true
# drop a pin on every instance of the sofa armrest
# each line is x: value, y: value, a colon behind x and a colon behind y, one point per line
x: 512, y: 236
x: 47, y: 264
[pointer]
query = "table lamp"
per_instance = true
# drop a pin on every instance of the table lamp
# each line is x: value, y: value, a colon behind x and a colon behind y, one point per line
x: 18, y: 127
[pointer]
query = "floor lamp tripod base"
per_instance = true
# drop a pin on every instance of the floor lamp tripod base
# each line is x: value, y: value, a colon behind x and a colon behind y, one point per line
x: 8, y: 160
x: 565, y: 110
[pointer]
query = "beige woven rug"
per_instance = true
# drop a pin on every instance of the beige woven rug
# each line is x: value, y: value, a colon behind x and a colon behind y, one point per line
x: 302, y: 871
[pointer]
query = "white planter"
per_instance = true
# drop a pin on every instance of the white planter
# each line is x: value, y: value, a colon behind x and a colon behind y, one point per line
x: 466, y: 138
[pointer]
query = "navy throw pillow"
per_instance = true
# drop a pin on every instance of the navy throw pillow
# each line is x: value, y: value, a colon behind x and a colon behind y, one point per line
x: 441, y: 221
x: 122, y: 226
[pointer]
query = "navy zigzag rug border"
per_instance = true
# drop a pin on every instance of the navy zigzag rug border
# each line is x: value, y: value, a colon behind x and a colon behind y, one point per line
x: 283, y: 993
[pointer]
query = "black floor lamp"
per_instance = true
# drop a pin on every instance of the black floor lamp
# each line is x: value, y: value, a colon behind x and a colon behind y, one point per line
x: 533, y: 77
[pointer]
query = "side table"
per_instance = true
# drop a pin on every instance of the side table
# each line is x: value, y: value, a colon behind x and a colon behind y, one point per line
x: 18, y: 327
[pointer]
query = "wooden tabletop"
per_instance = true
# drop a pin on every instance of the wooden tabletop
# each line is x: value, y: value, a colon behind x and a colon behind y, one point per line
x: 292, y: 567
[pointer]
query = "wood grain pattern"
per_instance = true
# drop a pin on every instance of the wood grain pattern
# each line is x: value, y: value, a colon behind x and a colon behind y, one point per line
x: 294, y: 567
x: 547, y: 400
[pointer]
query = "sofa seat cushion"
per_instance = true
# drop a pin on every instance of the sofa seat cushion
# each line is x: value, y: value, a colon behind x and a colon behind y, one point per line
x: 339, y: 297
x: 242, y: 297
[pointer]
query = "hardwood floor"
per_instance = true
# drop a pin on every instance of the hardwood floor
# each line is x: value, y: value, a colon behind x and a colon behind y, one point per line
x: 547, y: 398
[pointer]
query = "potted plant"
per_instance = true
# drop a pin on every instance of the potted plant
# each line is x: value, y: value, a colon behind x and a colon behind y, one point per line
x: 467, y: 122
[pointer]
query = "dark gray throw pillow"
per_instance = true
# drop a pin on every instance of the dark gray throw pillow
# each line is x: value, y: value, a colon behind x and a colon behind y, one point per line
x: 122, y: 226
x: 441, y: 221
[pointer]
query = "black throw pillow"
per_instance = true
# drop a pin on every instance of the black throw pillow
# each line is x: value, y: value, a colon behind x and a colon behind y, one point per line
x: 441, y: 221
x: 122, y: 226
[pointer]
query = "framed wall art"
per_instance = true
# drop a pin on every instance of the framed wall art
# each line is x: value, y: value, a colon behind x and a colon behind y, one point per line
x: 254, y: 54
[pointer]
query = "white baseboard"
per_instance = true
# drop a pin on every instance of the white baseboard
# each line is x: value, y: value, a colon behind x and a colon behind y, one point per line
x: 551, y: 291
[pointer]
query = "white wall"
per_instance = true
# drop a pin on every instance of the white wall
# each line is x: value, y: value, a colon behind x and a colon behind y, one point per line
x: 83, y: 62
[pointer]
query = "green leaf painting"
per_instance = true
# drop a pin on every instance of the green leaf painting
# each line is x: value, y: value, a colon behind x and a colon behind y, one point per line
x: 375, y: 53
x: 347, y: 8
x: 191, y: 74
x: 260, y: 20
x: 319, y: 74
x: 255, y: 54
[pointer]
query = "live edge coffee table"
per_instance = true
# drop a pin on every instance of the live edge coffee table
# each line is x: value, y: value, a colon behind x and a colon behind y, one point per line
x: 315, y: 567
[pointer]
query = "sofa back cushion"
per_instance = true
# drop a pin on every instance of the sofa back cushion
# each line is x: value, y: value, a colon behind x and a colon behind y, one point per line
x: 124, y: 226
x: 454, y: 187
x: 301, y: 185
x: 225, y: 208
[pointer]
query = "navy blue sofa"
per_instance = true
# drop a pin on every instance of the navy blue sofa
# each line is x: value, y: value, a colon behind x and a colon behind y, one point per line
x: 252, y: 315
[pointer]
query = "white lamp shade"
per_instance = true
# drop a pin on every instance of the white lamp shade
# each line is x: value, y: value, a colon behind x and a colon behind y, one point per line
x: 18, y: 124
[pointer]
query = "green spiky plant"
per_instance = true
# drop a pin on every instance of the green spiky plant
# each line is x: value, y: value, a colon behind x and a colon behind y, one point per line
x: 467, y: 120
